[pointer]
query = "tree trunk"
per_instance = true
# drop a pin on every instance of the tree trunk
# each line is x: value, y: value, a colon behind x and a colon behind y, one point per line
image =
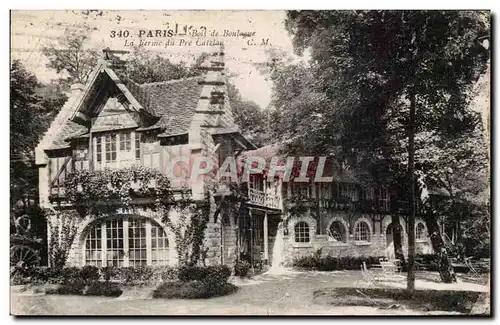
x: 411, y: 174
x: 398, y: 240
x: 444, y: 264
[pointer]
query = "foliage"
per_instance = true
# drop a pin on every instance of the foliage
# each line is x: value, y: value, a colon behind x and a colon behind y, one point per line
x: 143, y: 66
x: 192, y: 290
x: 252, y: 120
x: 188, y: 228
x: 105, y: 289
x: 216, y: 273
x: 71, y: 55
x: 197, y: 282
x: 26, y: 126
x: 422, y: 65
x: 89, y: 274
x: 63, y: 227
x: 122, y: 185
x: 297, y: 205
x: 241, y: 268
x: 421, y: 300
x: 330, y: 263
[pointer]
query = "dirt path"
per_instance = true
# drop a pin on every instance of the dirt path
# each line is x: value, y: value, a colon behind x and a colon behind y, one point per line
x: 285, y: 294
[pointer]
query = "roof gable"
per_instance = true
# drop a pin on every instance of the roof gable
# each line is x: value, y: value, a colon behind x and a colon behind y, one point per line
x: 113, y: 116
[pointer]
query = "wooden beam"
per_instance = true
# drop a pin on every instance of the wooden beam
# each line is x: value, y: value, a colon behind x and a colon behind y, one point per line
x: 266, y: 239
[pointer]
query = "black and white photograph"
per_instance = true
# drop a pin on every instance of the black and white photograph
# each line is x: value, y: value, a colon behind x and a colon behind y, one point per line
x: 250, y: 162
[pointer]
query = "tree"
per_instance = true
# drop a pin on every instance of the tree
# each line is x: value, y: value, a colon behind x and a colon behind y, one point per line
x: 26, y: 126
x: 251, y: 119
x: 71, y: 55
x: 367, y: 61
x: 145, y: 67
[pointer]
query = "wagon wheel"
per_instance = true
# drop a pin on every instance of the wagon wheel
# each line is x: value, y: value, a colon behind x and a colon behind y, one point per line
x: 23, y: 256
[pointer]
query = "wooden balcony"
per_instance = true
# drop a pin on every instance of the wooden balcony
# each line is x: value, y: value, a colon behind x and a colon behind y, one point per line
x: 262, y: 199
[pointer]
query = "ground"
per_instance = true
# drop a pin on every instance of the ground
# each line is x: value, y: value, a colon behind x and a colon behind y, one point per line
x: 281, y: 294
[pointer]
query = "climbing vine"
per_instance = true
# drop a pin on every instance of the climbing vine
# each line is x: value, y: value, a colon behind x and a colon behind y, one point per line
x: 84, y: 187
x: 188, y: 227
x: 63, y: 226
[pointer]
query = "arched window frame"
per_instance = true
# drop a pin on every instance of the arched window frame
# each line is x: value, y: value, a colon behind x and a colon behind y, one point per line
x: 135, y: 232
x: 345, y: 228
x: 369, y: 231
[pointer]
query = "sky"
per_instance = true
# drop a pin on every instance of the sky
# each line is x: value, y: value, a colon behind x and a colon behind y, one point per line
x: 32, y: 30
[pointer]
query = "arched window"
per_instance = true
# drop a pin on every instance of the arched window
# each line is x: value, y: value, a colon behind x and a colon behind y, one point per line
x: 337, y: 232
x: 420, y: 231
x: 126, y: 241
x: 362, y: 232
x: 302, y: 232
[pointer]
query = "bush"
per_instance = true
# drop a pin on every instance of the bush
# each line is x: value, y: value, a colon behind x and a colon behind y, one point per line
x: 216, y: 273
x: 89, y: 274
x: 105, y: 289
x: 330, y: 263
x: 192, y: 290
x: 241, y: 268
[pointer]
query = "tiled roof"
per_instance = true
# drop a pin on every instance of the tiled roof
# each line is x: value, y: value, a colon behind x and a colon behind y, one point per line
x: 70, y: 129
x: 175, y: 101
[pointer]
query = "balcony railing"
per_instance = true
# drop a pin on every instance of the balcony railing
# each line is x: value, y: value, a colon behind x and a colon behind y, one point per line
x: 264, y: 199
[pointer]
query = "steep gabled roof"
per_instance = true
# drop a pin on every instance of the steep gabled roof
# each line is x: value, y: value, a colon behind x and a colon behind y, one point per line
x: 70, y: 129
x: 170, y: 106
x: 174, y: 101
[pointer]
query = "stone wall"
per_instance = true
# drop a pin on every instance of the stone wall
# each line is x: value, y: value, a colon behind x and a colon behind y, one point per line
x: 376, y: 246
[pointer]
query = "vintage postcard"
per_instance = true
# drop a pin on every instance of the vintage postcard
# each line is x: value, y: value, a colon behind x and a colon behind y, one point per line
x: 221, y: 162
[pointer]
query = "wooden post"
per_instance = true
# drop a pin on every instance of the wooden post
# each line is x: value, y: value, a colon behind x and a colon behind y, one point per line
x: 90, y: 153
x: 221, y: 240
x: 266, y: 239
x: 251, y: 239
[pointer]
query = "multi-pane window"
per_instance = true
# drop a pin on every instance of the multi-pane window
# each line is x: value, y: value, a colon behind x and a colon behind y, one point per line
x: 125, y: 142
x: 420, y: 231
x: 337, y: 232
x: 362, y: 232
x: 93, y: 247
x: 98, y: 149
x: 137, y: 146
x: 114, y: 242
x: 369, y: 194
x: 302, y: 232
x: 110, y: 142
x: 159, y: 245
x: 137, y: 242
x: 126, y: 241
x: 383, y: 199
